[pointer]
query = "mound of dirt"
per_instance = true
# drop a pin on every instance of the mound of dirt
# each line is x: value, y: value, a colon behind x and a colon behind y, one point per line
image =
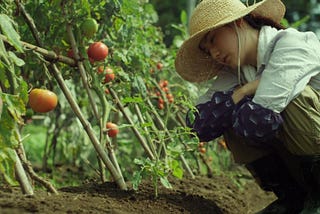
x: 200, y: 195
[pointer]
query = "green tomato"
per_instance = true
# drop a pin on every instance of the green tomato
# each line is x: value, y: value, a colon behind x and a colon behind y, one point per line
x: 89, y: 27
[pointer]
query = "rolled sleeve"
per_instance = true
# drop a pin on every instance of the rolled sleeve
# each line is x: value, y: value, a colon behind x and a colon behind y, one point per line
x: 255, y: 122
x: 288, y: 68
x: 210, y: 119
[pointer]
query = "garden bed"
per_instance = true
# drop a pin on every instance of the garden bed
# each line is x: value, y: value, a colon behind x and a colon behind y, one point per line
x: 200, y: 195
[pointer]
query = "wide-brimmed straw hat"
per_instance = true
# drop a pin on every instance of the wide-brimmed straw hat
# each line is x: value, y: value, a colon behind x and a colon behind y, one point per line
x: 194, y: 65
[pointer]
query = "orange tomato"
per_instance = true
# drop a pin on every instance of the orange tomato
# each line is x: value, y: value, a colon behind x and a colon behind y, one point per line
x: 42, y: 100
x: 202, y: 150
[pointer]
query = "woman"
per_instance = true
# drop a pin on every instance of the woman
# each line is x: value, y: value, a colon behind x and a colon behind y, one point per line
x: 264, y: 97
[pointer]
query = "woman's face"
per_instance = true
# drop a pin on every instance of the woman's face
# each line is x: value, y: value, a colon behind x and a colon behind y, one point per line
x: 222, y: 45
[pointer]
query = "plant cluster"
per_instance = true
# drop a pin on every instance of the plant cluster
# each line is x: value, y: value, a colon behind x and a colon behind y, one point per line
x: 95, y: 75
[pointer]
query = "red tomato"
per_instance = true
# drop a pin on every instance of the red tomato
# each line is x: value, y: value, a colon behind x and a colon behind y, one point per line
x: 159, y: 65
x: 42, y: 100
x: 100, y: 69
x: 70, y: 53
x: 165, y: 89
x: 98, y: 51
x: 160, y: 100
x: 91, y: 61
x: 163, y: 83
x: 112, y: 129
x: 109, y: 75
x: 160, y: 105
x: 169, y: 96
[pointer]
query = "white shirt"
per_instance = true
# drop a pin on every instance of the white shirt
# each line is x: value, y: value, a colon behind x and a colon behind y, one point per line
x: 287, y: 61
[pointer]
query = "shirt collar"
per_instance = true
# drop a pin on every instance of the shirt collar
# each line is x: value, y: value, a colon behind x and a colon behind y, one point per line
x: 267, y: 33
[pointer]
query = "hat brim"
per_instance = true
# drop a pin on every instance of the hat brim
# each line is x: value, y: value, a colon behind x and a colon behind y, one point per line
x: 194, y: 65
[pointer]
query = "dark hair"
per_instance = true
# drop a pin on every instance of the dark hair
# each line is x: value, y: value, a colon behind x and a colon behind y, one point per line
x: 257, y: 22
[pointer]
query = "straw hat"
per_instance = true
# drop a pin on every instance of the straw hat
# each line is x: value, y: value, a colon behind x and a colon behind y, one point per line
x: 193, y: 64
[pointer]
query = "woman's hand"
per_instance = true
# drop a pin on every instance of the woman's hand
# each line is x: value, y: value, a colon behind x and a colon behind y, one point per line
x: 248, y: 89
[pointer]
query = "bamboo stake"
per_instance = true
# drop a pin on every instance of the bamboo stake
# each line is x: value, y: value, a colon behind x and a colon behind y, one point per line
x: 30, y: 22
x: 27, y: 166
x: 49, y: 55
x: 86, y: 125
x: 82, y: 70
x: 138, y: 111
x: 22, y: 178
x: 113, y: 158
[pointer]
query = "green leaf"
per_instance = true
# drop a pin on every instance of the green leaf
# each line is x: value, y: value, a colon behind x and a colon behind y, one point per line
x: 191, y: 116
x: 3, y: 76
x: 13, y: 109
x: 19, y: 62
x: 138, y: 161
x: 7, y: 161
x: 285, y: 23
x: 132, y: 100
x: 86, y: 5
x: 56, y: 3
x: 139, y: 86
x: 6, y: 25
x: 151, y: 13
x: 23, y: 92
x: 6, y: 130
x: 178, y: 172
x: 137, y: 178
x: 300, y: 22
x: 3, y: 52
x: 165, y: 182
x: 149, y: 124
x: 15, y: 106
x: 121, y: 57
x: 184, y: 17
x: 176, y: 169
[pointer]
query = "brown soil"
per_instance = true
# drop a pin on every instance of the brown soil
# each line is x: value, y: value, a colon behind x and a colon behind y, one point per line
x: 200, y: 195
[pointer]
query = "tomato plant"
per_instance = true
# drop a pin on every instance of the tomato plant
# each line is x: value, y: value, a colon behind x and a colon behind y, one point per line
x: 133, y: 100
x: 97, y: 51
x: 42, y: 100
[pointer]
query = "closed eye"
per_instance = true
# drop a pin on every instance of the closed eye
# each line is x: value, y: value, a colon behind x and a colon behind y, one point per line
x: 206, y: 51
x: 211, y: 39
x: 207, y: 40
